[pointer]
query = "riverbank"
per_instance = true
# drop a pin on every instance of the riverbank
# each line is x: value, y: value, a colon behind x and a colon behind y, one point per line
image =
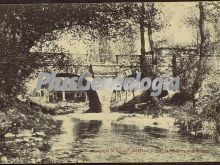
x: 60, y: 108
x: 25, y: 131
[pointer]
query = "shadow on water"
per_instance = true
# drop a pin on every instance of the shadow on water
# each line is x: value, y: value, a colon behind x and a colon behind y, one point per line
x: 155, y: 132
x: 86, y: 129
x: 131, y: 134
x: 123, y: 128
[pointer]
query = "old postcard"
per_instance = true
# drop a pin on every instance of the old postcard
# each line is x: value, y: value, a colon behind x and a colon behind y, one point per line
x: 110, y: 82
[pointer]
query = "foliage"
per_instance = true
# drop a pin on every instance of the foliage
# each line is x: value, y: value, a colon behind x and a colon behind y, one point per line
x: 23, y: 26
x: 207, y: 110
x: 209, y: 101
x: 208, y: 105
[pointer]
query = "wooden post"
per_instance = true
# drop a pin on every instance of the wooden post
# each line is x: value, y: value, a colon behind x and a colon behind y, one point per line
x: 115, y: 95
x: 64, y: 96
x: 86, y: 97
x: 126, y: 96
x: 116, y: 59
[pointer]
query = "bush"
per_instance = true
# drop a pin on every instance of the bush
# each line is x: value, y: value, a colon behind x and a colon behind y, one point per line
x: 208, y: 105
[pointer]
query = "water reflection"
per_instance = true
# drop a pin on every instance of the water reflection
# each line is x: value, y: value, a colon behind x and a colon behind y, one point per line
x: 122, y: 128
x: 104, y: 141
x: 86, y: 129
x: 156, y: 132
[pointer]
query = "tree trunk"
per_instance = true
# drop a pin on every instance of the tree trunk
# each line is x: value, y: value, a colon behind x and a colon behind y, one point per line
x: 174, y: 65
x: 150, y: 32
x: 142, y: 30
x: 146, y: 66
x: 198, y: 77
x: 145, y: 70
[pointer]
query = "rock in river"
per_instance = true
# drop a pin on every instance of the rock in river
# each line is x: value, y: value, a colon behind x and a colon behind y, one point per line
x: 42, y: 134
x: 4, y: 159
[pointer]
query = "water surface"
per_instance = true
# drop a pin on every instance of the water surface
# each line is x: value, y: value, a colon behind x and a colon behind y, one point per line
x: 101, y: 141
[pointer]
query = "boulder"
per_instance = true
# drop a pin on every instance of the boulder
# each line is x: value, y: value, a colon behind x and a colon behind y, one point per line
x: 18, y: 140
x: 39, y: 139
x: 4, y: 159
x: 9, y: 135
x: 26, y: 139
x: 42, y: 134
x: 25, y: 133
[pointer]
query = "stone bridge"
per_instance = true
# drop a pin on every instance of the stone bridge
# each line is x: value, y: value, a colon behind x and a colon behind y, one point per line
x: 125, y: 65
x: 119, y: 64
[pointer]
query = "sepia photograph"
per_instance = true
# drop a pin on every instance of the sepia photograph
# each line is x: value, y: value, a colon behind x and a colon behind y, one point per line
x: 109, y: 82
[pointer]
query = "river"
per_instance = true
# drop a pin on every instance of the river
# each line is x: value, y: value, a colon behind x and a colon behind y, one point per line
x: 85, y: 139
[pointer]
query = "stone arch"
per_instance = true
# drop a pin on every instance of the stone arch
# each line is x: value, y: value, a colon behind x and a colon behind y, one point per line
x: 94, y: 102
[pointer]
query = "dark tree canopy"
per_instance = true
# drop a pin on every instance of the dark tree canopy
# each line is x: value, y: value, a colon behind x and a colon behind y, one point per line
x: 22, y: 26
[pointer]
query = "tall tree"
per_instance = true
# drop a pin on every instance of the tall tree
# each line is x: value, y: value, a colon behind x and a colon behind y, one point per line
x: 198, y: 77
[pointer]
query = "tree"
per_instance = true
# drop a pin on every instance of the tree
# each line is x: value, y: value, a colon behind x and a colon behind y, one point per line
x: 198, y: 77
x: 208, y: 104
x: 24, y: 25
x: 206, y: 86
